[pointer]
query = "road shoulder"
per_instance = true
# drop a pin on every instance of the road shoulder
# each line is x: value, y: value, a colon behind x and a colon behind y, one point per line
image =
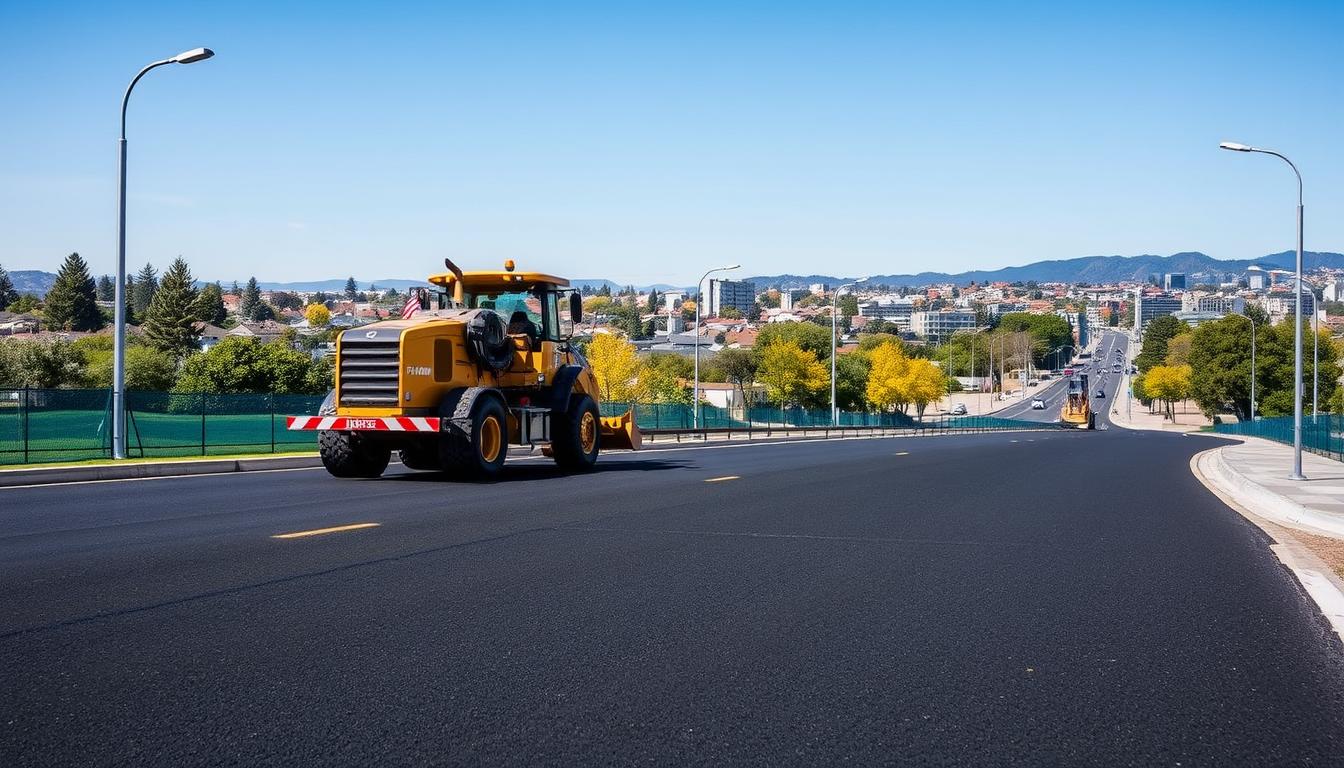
x: 1302, y: 547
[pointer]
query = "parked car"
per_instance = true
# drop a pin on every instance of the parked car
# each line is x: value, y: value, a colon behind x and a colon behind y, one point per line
x: 958, y: 410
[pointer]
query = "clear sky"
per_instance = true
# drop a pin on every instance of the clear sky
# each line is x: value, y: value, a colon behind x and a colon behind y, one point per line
x: 647, y: 142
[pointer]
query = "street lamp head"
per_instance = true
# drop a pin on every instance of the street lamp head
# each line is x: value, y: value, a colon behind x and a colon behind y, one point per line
x: 734, y: 266
x: 192, y: 56
x: 1235, y: 147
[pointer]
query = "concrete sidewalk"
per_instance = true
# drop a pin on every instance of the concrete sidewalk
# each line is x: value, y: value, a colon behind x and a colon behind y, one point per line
x: 1256, y: 473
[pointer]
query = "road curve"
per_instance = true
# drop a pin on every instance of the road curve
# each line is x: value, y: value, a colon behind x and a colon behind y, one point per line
x: 1060, y: 597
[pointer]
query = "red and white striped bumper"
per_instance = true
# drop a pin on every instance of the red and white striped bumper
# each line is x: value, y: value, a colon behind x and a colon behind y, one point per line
x: 370, y: 424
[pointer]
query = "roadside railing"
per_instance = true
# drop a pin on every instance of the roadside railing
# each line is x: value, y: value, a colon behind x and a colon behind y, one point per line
x: 1323, y: 434
x: 59, y: 425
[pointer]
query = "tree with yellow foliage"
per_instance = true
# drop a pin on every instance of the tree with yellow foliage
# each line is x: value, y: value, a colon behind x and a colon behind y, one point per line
x: 1168, y: 383
x: 887, y: 365
x: 317, y: 316
x: 790, y: 373
x: 922, y: 384
x: 615, y: 366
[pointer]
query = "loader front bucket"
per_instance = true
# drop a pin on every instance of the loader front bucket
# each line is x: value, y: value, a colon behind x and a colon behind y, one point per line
x: 621, y: 431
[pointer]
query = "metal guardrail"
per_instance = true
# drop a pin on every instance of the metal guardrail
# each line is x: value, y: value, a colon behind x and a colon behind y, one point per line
x: 1323, y: 434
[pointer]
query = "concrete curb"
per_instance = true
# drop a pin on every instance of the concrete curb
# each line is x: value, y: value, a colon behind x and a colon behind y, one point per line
x: 137, y: 470
x: 1264, y: 502
x: 1318, y: 580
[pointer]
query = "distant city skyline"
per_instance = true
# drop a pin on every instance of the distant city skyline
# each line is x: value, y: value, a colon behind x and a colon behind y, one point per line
x: 645, y: 146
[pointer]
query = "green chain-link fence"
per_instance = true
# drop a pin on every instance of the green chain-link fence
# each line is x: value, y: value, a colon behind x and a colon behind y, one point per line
x: 47, y: 425
x: 52, y: 425
x: 1322, y: 434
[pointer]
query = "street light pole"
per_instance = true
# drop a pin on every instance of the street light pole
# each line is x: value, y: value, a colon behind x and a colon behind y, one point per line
x: 1297, y: 312
x: 119, y: 300
x: 699, y: 299
x: 835, y: 302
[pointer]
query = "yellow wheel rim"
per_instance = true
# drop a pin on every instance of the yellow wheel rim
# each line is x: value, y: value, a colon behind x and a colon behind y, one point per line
x: 588, y: 432
x: 490, y: 439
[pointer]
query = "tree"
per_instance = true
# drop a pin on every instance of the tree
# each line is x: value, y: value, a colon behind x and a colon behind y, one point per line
x: 662, y: 378
x: 1156, y: 334
x: 147, y: 369
x: 210, y: 305
x: 25, y: 304
x: 286, y: 300
x: 351, y: 289
x: 790, y: 373
x: 239, y: 364
x: 1046, y: 332
x: 1167, y: 383
x: 322, y: 298
x: 808, y: 336
x: 848, y: 305
x: 1178, y: 348
x: 738, y: 367
x: 170, y: 320
x: 39, y: 364
x: 653, y: 300
x: 146, y: 283
x: 851, y: 382
x: 887, y: 366
x: 923, y: 383
x: 317, y: 315
x: 615, y: 366
x: 250, y: 304
x: 71, y: 304
x: 7, y: 293
x: 730, y: 313
x: 107, y: 290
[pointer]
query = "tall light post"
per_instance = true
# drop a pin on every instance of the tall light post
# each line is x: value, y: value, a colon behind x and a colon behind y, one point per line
x: 1297, y: 312
x: 1252, y: 324
x: 119, y: 310
x: 700, y: 299
x: 835, y: 302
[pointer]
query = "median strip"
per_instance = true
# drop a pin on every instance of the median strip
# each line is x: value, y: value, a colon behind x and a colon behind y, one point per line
x: 320, y: 531
x: 721, y: 479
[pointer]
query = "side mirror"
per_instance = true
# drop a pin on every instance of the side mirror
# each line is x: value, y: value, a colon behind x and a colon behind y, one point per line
x: 575, y: 308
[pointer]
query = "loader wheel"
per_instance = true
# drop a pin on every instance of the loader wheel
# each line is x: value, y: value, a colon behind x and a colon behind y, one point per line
x: 421, y: 456
x: 477, y: 453
x: 576, y: 434
x: 346, y: 454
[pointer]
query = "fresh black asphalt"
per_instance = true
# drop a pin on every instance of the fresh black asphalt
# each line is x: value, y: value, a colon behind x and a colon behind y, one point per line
x: 1032, y: 598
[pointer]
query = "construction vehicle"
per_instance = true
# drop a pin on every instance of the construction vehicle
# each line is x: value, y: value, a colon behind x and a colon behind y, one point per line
x: 1077, y: 409
x: 482, y: 363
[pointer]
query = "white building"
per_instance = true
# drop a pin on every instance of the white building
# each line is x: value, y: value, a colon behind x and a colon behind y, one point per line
x: 939, y: 326
x: 893, y: 309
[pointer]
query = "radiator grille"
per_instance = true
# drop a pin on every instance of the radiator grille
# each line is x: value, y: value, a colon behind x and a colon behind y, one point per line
x: 368, y: 373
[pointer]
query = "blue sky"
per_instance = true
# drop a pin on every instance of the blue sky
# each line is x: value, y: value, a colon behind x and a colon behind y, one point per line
x: 647, y: 142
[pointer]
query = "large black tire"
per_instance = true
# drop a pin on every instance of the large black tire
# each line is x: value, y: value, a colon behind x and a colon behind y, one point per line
x: 476, y: 440
x: 576, y: 435
x: 488, y: 341
x: 423, y: 456
x: 346, y: 454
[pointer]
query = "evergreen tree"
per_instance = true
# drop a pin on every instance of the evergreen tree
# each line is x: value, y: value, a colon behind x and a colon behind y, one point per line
x: 210, y: 305
x: 146, y: 283
x: 321, y: 297
x: 7, y: 293
x: 653, y: 299
x: 235, y: 290
x: 71, y: 302
x: 351, y: 288
x: 170, y: 320
x: 107, y: 290
x: 251, y: 301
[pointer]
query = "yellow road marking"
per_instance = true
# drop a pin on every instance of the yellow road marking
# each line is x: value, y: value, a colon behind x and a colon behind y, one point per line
x: 721, y: 479
x: 320, y: 531
x: 902, y: 453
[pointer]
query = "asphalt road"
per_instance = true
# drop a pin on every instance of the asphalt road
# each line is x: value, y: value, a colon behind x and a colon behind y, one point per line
x: 1053, y: 394
x: 1035, y: 598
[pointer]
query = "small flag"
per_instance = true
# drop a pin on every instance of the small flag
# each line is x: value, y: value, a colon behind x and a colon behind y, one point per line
x: 412, y: 305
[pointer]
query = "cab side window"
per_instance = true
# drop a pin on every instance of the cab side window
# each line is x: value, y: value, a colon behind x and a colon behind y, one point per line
x: 550, y: 315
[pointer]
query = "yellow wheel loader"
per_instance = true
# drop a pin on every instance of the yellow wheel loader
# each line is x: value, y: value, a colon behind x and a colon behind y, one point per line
x: 480, y: 363
x: 1077, y: 409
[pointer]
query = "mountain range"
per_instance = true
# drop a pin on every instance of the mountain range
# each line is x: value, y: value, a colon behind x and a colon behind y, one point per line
x: 1088, y: 269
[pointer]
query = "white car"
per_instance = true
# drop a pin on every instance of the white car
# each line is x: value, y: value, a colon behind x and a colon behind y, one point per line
x: 1037, y: 404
